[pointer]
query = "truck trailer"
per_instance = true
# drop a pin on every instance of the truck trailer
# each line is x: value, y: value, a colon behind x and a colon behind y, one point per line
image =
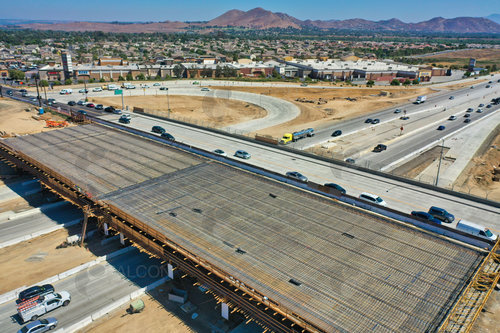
x: 421, y: 99
x: 292, y: 137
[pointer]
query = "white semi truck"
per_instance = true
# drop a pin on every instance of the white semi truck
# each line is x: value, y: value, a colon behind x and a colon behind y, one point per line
x: 33, y: 308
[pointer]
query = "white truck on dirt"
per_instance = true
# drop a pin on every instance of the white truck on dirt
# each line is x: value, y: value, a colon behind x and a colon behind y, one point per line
x: 421, y: 99
x: 37, y: 306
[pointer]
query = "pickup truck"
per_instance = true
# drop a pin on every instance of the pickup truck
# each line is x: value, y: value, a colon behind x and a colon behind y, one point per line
x: 40, y: 305
x: 292, y: 137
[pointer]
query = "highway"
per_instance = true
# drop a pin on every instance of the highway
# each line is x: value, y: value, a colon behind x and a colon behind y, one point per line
x: 94, y: 288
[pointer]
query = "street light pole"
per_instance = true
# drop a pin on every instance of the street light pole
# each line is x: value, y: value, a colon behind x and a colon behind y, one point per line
x: 168, y: 104
x: 439, y: 165
x: 37, y: 92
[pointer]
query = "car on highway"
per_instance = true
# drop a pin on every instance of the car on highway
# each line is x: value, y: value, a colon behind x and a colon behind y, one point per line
x: 426, y: 216
x: 156, y: 84
x: 24, y: 94
x: 488, y: 86
x: 467, y: 115
x: 22, y: 91
x: 83, y: 91
x: 375, y: 121
x: 467, y: 120
x: 490, y: 81
x: 452, y: 97
x: 297, y: 176
x: 336, y: 186
x: 10, y: 93
x: 375, y: 199
x: 127, y: 116
x: 35, y: 291
x: 368, y: 121
x: 470, y: 110
x: 472, y: 87
x: 97, y: 89
x: 124, y: 120
x: 441, y: 214
x: 109, y: 109
x: 71, y: 103
x: 488, y: 106
x: 479, y: 111
x: 350, y: 160
x: 158, y: 129
x: 379, y: 148
x: 303, y: 85
x: 219, y: 152
x: 452, y: 118
x: 117, y: 111
x: 167, y: 136
x: 481, y: 105
x: 40, y: 326
x: 90, y: 105
x: 205, y: 89
x: 498, y: 80
x: 337, y: 133
x: 441, y: 128
x: 163, y: 88
x: 242, y: 154
x: 82, y: 112
x: 397, y: 111
x: 404, y: 117
x: 99, y: 107
x: 80, y: 103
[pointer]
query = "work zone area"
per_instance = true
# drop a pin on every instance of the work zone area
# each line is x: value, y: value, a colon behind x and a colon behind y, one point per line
x: 281, y: 254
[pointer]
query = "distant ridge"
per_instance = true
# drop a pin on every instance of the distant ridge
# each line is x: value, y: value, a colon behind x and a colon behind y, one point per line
x: 259, y: 18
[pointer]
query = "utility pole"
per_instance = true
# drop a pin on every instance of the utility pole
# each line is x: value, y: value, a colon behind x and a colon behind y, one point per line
x: 37, y: 92
x: 439, y: 165
x: 85, y: 88
x: 168, y: 104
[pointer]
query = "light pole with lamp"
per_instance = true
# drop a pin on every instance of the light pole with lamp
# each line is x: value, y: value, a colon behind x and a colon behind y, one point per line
x: 439, y: 165
x: 168, y: 103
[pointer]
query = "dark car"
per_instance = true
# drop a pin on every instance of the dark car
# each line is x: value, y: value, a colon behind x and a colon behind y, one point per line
x: 488, y: 106
x: 71, y: 103
x: 10, y: 93
x: 35, y: 291
x: 109, y: 109
x: 82, y: 112
x: 426, y: 216
x: 99, y: 107
x: 375, y: 121
x: 380, y: 147
x: 337, y: 133
x: 350, y: 160
x: 23, y: 91
x: 39, y: 326
x: 467, y: 115
x: 297, y: 176
x: 163, y: 88
x: 336, y: 186
x: 441, y: 128
x: 467, y: 120
x: 481, y: 105
x: 158, y: 129
x: 80, y: 103
x: 167, y: 136
x: 124, y: 120
x: 90, y: 105
x: 404, y: 117
x: 368, y: 121
x: 470, y: 110
x: 441, y: 214
x: 397, y: 111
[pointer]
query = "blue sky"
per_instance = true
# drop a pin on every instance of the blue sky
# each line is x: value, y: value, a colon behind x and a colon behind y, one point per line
x: 203, y: 10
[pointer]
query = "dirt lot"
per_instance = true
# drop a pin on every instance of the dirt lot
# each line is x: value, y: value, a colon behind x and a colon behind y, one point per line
x: 17, y: 118
x: 478, y: 177
x: 461, y: 57
x: 216, y: 111
x: 336, y: 108
x: 487, y: 322
x: 31, y: 261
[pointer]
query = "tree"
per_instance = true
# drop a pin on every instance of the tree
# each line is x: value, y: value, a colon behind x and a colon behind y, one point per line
x: 120, y: 78
x: 43, y: 83
x: 68, y: 82
x: 275, y: 74
x: 102, y: 80
x: 130, y: 77
x: 92, y: 80
x: 141, y: 77
x: 16, y: 74
x: 370, y: 83
x: 494, y: 68
x: 218, y: 71
x: 416, y: 81
x: 206, y: 72
x: 406, y: 83
x: 395, y: 82
x: 178, y: 70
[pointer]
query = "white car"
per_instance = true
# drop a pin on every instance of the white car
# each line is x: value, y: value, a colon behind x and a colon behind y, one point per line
x: 97, y: 89
x: 144, y: 85
x: 205, y: 89
x: 156, y: 84
x: 375, y: 199
x: 117, y: 111
x: 220, y: 152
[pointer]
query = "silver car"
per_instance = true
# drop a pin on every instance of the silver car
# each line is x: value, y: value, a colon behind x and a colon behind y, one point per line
x: 297, y: 176
x: 242, y: 154
x: 39, y: 326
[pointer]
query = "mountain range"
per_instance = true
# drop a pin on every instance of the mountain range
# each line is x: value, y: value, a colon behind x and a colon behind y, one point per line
x: 259, y: 18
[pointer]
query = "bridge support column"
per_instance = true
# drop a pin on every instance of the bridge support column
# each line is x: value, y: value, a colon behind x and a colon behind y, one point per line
x: 170, y: 269
x: 105, y: 228
x: 224, y: 311
x: 122, y: 239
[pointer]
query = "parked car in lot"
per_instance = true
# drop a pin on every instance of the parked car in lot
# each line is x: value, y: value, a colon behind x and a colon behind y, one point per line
x: 158, y: 129
x: 441, y: 128
x: 35, y: 291
x: 337, y: 133
x: 373, y: 199
x: 441, y: 214
x: 71, y: 103
x: 99, y: 107
x: 167, y: 136
x: 39, y: 326
x: 242, y: 154
x: 375, y: 121
x: 426, y: 216
x: 379, y: 148
x: 336, y: 186
x: 452, y: 118
x: 220, y: 152
x: 297, y: 176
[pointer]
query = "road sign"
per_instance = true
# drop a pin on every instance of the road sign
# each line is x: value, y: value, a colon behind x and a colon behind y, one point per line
x: 118, y: 92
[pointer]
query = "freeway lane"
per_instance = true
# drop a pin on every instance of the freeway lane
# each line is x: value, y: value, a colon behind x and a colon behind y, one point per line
x: 94, y: 288
x: 398, y: 195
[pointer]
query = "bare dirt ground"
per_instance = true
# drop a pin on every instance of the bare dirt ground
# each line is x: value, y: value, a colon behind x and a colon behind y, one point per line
x: 17, y: 118
x: 337, y: 107
x: 29, y: 262
x: 487, y: 322
x: 216, y: 111
x: 461, y: 57
x: 478, y: 177
x: 463, y: 84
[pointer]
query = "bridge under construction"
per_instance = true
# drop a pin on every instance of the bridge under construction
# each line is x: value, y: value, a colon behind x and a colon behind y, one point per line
x: 291, y: 259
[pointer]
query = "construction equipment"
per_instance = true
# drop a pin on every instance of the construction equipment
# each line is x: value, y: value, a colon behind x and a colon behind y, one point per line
x: 55, y: 123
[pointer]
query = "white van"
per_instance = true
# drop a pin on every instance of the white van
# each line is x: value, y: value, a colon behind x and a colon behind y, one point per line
x: 66, y: 91
x: 476, y: 229
x: 373, y: 199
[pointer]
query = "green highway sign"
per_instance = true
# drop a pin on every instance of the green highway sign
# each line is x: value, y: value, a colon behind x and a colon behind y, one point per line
x: 118, y: 92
